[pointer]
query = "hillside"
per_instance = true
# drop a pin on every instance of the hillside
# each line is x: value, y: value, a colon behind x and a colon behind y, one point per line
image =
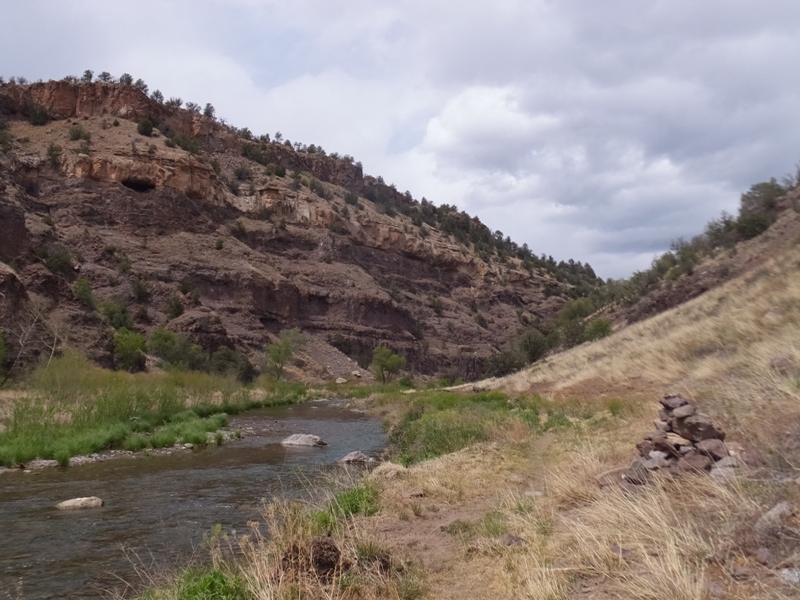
x: 177, y: 219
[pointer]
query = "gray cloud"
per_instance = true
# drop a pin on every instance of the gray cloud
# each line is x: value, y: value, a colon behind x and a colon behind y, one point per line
x: 597, y: 131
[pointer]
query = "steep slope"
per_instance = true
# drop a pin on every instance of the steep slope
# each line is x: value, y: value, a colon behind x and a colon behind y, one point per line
x: 197, y: 227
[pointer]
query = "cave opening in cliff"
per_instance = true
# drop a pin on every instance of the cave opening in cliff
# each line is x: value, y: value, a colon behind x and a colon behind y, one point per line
x: 139, y: 185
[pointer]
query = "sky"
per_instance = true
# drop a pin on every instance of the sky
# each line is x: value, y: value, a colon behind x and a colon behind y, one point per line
x: 598, y: 131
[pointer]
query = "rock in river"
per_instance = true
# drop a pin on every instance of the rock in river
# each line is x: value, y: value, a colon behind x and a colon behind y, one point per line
x: 356, y: 457
x: 303, y: 439
x: 78, y: 503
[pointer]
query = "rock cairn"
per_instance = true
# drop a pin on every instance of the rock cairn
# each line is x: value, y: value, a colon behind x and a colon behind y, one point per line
x: 684, y: 441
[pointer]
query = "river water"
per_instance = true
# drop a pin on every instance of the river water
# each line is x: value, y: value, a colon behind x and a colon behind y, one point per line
x: 158, y: 508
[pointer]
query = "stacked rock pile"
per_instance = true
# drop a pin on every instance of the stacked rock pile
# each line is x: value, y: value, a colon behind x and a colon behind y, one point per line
x: 684, y: 440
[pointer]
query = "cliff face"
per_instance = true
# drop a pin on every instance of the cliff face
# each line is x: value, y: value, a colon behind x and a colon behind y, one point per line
x: 244, y: 251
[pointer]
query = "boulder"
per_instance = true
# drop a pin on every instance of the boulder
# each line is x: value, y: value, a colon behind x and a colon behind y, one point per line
x: 687, y: 410
x: 303, y: 439
x: 698, y: 427
x: 712, y: 448
x: 80, y: 503
x: 356, y: 374
x: 692, y: 461
x: 638, y: 473
x: 769, y: 525
x: 356, y: 457
x: 341, y: 380
x: 673, y: 401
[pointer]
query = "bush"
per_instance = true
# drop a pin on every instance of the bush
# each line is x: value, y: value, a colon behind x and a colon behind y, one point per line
x: 129, y: 349
x: 82, y: 290
x: 174, y: 307
x: 278, y: 354
x: 597, y: 329
x: 78, y: 132
x: 53, y: 155
x: 386, y: 364
x: 139, y: 290
x: 116, y: 314
x: 749, y: 226
x: 57, y: 258
x: 532, y: 345
x: 176, y: 350
x: 145, y: 127
x: 38, y: 115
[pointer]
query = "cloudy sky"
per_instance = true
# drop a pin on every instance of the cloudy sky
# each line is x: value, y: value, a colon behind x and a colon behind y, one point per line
x: 591, y: 130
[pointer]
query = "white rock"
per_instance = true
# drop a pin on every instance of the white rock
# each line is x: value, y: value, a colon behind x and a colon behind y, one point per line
x: 356, y: 457
x: 790, y: 575
x: 356, y: 374
x: 303, y: 439
x: 341, y: 380
x: 79, y: 503
x: 188, y: 446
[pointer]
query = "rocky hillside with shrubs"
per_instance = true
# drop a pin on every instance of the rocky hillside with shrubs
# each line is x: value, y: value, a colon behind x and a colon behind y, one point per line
x: 134, y: 225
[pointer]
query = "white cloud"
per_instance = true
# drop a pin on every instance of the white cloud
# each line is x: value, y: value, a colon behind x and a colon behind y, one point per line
x: 597, y: 131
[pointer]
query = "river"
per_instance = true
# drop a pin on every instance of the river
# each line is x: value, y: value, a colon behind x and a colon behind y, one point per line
x: 157, y: 508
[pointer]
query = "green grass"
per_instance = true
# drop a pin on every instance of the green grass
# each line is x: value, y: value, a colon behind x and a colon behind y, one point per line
x: 72, y: 408
x: 363, y: 499
x: 203, y: 584
x: 434, y: 423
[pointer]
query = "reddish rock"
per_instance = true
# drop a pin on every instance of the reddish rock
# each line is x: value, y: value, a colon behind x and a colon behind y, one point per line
x: 691, y: 461
x: 712, y: 448
x: 673, y: 401
x: 687, y: 410
x: 698, y: 427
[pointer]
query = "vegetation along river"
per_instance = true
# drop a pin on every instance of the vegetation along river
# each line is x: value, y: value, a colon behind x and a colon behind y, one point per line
x: 158, y: 508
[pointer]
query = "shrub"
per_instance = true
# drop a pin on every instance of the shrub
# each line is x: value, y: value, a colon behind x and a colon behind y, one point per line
x: 351, y: 199
x: 219, y: 245
x: 503, y: 363
x: 139, y: 290
x: 599, y: 328
x: 225, y: 361
x: 386, y: 364
x: 129, y: 349
x: 116, y: 314
x: 38, y: 115
x: 481, y: 320
x: 242, y: 173
x: 145, y: 127
x: 57, y: 258
x: 532, y: 345
x: 176, y: 350
x: 749, y: 226
x: 78, y: 132
x: 278, y: 354
x: 82, y: 290
x: 174, y: 307
x: 54, y: 155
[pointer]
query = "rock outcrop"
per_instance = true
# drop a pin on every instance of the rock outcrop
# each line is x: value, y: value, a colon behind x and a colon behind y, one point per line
x: 250, y: 237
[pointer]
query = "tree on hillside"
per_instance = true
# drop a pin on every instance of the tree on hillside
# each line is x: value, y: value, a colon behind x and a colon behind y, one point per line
x: 126, y: 79
x: 386, y: 364
x: 105, y: 77
x: 88, y: 75
x: 279, y: 354
x: 157, y: 96
x: 209, y: 111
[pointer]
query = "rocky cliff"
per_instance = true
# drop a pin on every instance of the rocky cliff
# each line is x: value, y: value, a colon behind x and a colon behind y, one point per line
x: 201, y: 229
